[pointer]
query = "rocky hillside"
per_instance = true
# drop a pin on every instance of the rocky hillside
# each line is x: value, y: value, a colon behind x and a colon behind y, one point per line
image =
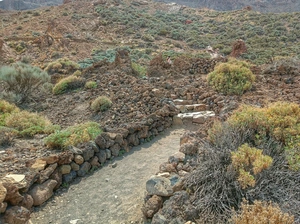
x: 26, y: 4
x: 257, y: 5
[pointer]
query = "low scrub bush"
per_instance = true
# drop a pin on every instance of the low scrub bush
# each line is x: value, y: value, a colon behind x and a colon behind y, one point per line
x: 5, y: 110
x: 69, y: 83
x: 101, y: 103
x: 29, y: 124
x: 138, y: 69
x: 7, y: 135
x: 62, y: 65
x: 261, y: 213
x: 73, y: 135
x: 90, y: 85
x: 23, y: 79
x: 233, y: 77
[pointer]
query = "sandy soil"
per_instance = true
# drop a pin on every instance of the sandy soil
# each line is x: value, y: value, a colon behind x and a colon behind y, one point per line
x: 111, y: 195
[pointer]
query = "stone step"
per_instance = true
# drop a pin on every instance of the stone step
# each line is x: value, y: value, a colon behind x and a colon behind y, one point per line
x: 193, y: 117
x: 192, y: 108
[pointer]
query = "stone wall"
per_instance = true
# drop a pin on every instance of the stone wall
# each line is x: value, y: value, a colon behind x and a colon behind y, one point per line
x: 20, y: 192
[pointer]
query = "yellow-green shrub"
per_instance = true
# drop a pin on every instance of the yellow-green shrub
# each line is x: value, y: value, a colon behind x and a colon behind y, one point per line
x: 90, y: 85
x: 73, y: 135
x: 5, y: 110
x: 233, y: 77
x: 101, y: 103
x: 249, y: 161
x: 68, y: 83
x: 280, y: 121
x: 62, y: 65
x: 29, y: 124
x: 261, y: 213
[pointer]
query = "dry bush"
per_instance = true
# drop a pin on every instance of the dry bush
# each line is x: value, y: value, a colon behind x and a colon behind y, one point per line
x: 7, y: 135
x: 283, y: 66
x: 69, y: 83
x: 261, y: 213
x: 101, y: 103
x: 62, y: 65
x: 5, y: 110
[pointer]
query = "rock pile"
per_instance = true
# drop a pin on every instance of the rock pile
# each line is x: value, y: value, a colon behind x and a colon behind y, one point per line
x: 167, y: 185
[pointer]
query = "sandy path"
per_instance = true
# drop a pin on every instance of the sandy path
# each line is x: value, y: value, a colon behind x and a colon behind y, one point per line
x: 111, y: 195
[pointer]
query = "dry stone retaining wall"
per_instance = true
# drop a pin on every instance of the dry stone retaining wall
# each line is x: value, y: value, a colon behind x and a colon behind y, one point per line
x: 18, y: 193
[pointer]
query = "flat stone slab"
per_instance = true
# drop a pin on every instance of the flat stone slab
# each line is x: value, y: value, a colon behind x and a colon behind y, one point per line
x: 194, y: 117
x: 16, y: 177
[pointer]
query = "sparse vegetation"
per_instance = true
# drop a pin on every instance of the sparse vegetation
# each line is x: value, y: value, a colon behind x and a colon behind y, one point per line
x: 90, y: 85
x: 23, y: 79
x: 101, y: 103
x: 73, y: 135
x: 62, y: 65
x: 233, y: 77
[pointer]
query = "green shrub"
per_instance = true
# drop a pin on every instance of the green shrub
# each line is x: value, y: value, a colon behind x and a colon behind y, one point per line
x: 28, y: 124
x: 139, y: 69
x: 90, y: 85
x: 101, y: 103
x: 69, y: 83
x: 23, y: 79
x: 73, y: 135
x: 233, y: 77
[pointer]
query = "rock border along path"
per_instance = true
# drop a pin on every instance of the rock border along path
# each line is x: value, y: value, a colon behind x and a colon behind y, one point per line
x: 112, y: 195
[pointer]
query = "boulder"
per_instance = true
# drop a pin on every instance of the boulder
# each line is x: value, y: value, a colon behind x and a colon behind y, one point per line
x: 152, y: 206
x: 167, y: 167
x: 133, y: 139
x: 57, y: 176
x: 68, y: 178
x: 102, y: 155
x: 115, y: 149
x: 39, y: 165
x: 75, y: 166
x: 84, y: 169
x: 12, y: 186
x: 79, y: 159
x: 93, y: 146
x: 17, y: 215
x: 3, y: 206
x: 160, y: 186
x: 51, y: 159
x: 94, y: 162
x: 3, y: 192
x: 45, y: 174
x: 65, y: 158
x: 42, y: 192
x: 65, y: 169
x: 189, y: 148
x: 100, y: 141
x: 27, y: 201
x: 88, y: 152
x: 108, y: 153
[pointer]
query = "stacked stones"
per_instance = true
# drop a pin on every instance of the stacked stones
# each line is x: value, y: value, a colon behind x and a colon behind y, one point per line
x: 18, y: 193
x: 167, y: 185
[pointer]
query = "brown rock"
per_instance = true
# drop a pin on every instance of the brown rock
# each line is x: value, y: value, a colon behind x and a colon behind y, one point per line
x: 27, y: 201
x: 3, y: 192
x: 12, y: 187
x: 75, y: 166
x: 133, y: 139
x: 167, y: 167
x: 79, y: 159
x: 51, y: 159
x: 65, y: 158
x: 189, y: 148
x: 57, y: 176
x: 152, y: 206
x: 39, y: 165
x: 115, y: 149
x: 45, y: 174
x: 101, y: 142
x: 102, y: 156
x: 17, y: 215
x: 3, y: 207
x: 94, y: 162
x: 65, y: 169
x: 42, y: 192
